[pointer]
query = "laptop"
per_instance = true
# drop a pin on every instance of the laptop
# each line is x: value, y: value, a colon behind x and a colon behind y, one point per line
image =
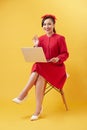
x: 33, y: 54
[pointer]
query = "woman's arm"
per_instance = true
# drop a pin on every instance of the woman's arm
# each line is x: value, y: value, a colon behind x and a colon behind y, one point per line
x: 63, y: 55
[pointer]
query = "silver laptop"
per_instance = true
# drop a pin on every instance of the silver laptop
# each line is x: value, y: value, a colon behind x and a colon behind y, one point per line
x: 33, y: 54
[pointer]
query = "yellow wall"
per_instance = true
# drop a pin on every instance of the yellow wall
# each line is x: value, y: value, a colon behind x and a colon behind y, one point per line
x: 20, y: 20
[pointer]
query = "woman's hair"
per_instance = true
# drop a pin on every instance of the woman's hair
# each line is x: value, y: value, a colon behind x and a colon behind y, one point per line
x: 53, y: 18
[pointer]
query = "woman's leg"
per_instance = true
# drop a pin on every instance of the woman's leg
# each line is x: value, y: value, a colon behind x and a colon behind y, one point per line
x: 32, y: 79
x: 40, y: 88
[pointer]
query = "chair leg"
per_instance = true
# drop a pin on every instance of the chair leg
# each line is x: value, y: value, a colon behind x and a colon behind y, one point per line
x: 63, y: 97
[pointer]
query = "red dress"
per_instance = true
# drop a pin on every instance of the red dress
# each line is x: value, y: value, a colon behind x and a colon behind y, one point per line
x: 54, y: 73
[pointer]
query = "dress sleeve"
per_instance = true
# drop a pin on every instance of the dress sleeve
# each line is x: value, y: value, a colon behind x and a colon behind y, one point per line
x: 40, y: 42
x: 63, y: 52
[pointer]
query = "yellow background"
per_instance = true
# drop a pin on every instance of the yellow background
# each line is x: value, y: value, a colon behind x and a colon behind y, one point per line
x: 20, y: 20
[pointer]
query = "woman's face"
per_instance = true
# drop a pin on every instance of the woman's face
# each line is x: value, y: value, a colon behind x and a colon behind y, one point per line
x: 48, y: 26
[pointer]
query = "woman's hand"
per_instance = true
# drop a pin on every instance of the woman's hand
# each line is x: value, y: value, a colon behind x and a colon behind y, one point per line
x: 54, y: 60
x: 35, y: 40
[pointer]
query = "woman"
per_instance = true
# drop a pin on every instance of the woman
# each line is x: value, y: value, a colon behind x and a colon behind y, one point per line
x: 53, y: 71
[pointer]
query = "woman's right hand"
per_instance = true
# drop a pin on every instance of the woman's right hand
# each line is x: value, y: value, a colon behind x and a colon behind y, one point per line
x: 35, y: 40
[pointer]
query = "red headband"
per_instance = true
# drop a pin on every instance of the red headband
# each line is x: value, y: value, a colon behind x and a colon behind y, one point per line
x: 49, y: 15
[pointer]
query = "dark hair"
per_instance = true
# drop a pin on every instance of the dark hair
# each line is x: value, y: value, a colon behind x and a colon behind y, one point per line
x: 49, y: 17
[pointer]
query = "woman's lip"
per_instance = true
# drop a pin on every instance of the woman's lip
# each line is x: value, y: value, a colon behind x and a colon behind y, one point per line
x: 47, y: 29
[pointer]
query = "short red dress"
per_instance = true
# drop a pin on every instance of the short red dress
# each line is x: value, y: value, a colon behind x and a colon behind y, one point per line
x: 54, y: 73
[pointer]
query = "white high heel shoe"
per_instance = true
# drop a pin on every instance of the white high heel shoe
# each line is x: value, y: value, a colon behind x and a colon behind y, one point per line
x: 18, y: 101
x: 35, y: 117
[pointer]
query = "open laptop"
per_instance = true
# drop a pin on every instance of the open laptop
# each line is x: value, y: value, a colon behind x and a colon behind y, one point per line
x: 33, y: 54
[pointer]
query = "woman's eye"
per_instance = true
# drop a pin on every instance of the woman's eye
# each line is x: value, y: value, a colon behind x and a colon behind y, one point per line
x: 49, y: 23
x: 44, y: 24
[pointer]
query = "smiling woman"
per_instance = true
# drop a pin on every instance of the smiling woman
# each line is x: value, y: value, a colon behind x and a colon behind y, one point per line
x: 19, y: 21
x: 52, y: 71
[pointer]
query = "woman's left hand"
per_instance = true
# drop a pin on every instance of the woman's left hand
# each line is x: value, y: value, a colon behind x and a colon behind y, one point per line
x: 54, y: 60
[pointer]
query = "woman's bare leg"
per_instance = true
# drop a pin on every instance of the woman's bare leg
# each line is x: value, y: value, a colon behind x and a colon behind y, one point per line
x: 40, y: 87
x: 32, y: 79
